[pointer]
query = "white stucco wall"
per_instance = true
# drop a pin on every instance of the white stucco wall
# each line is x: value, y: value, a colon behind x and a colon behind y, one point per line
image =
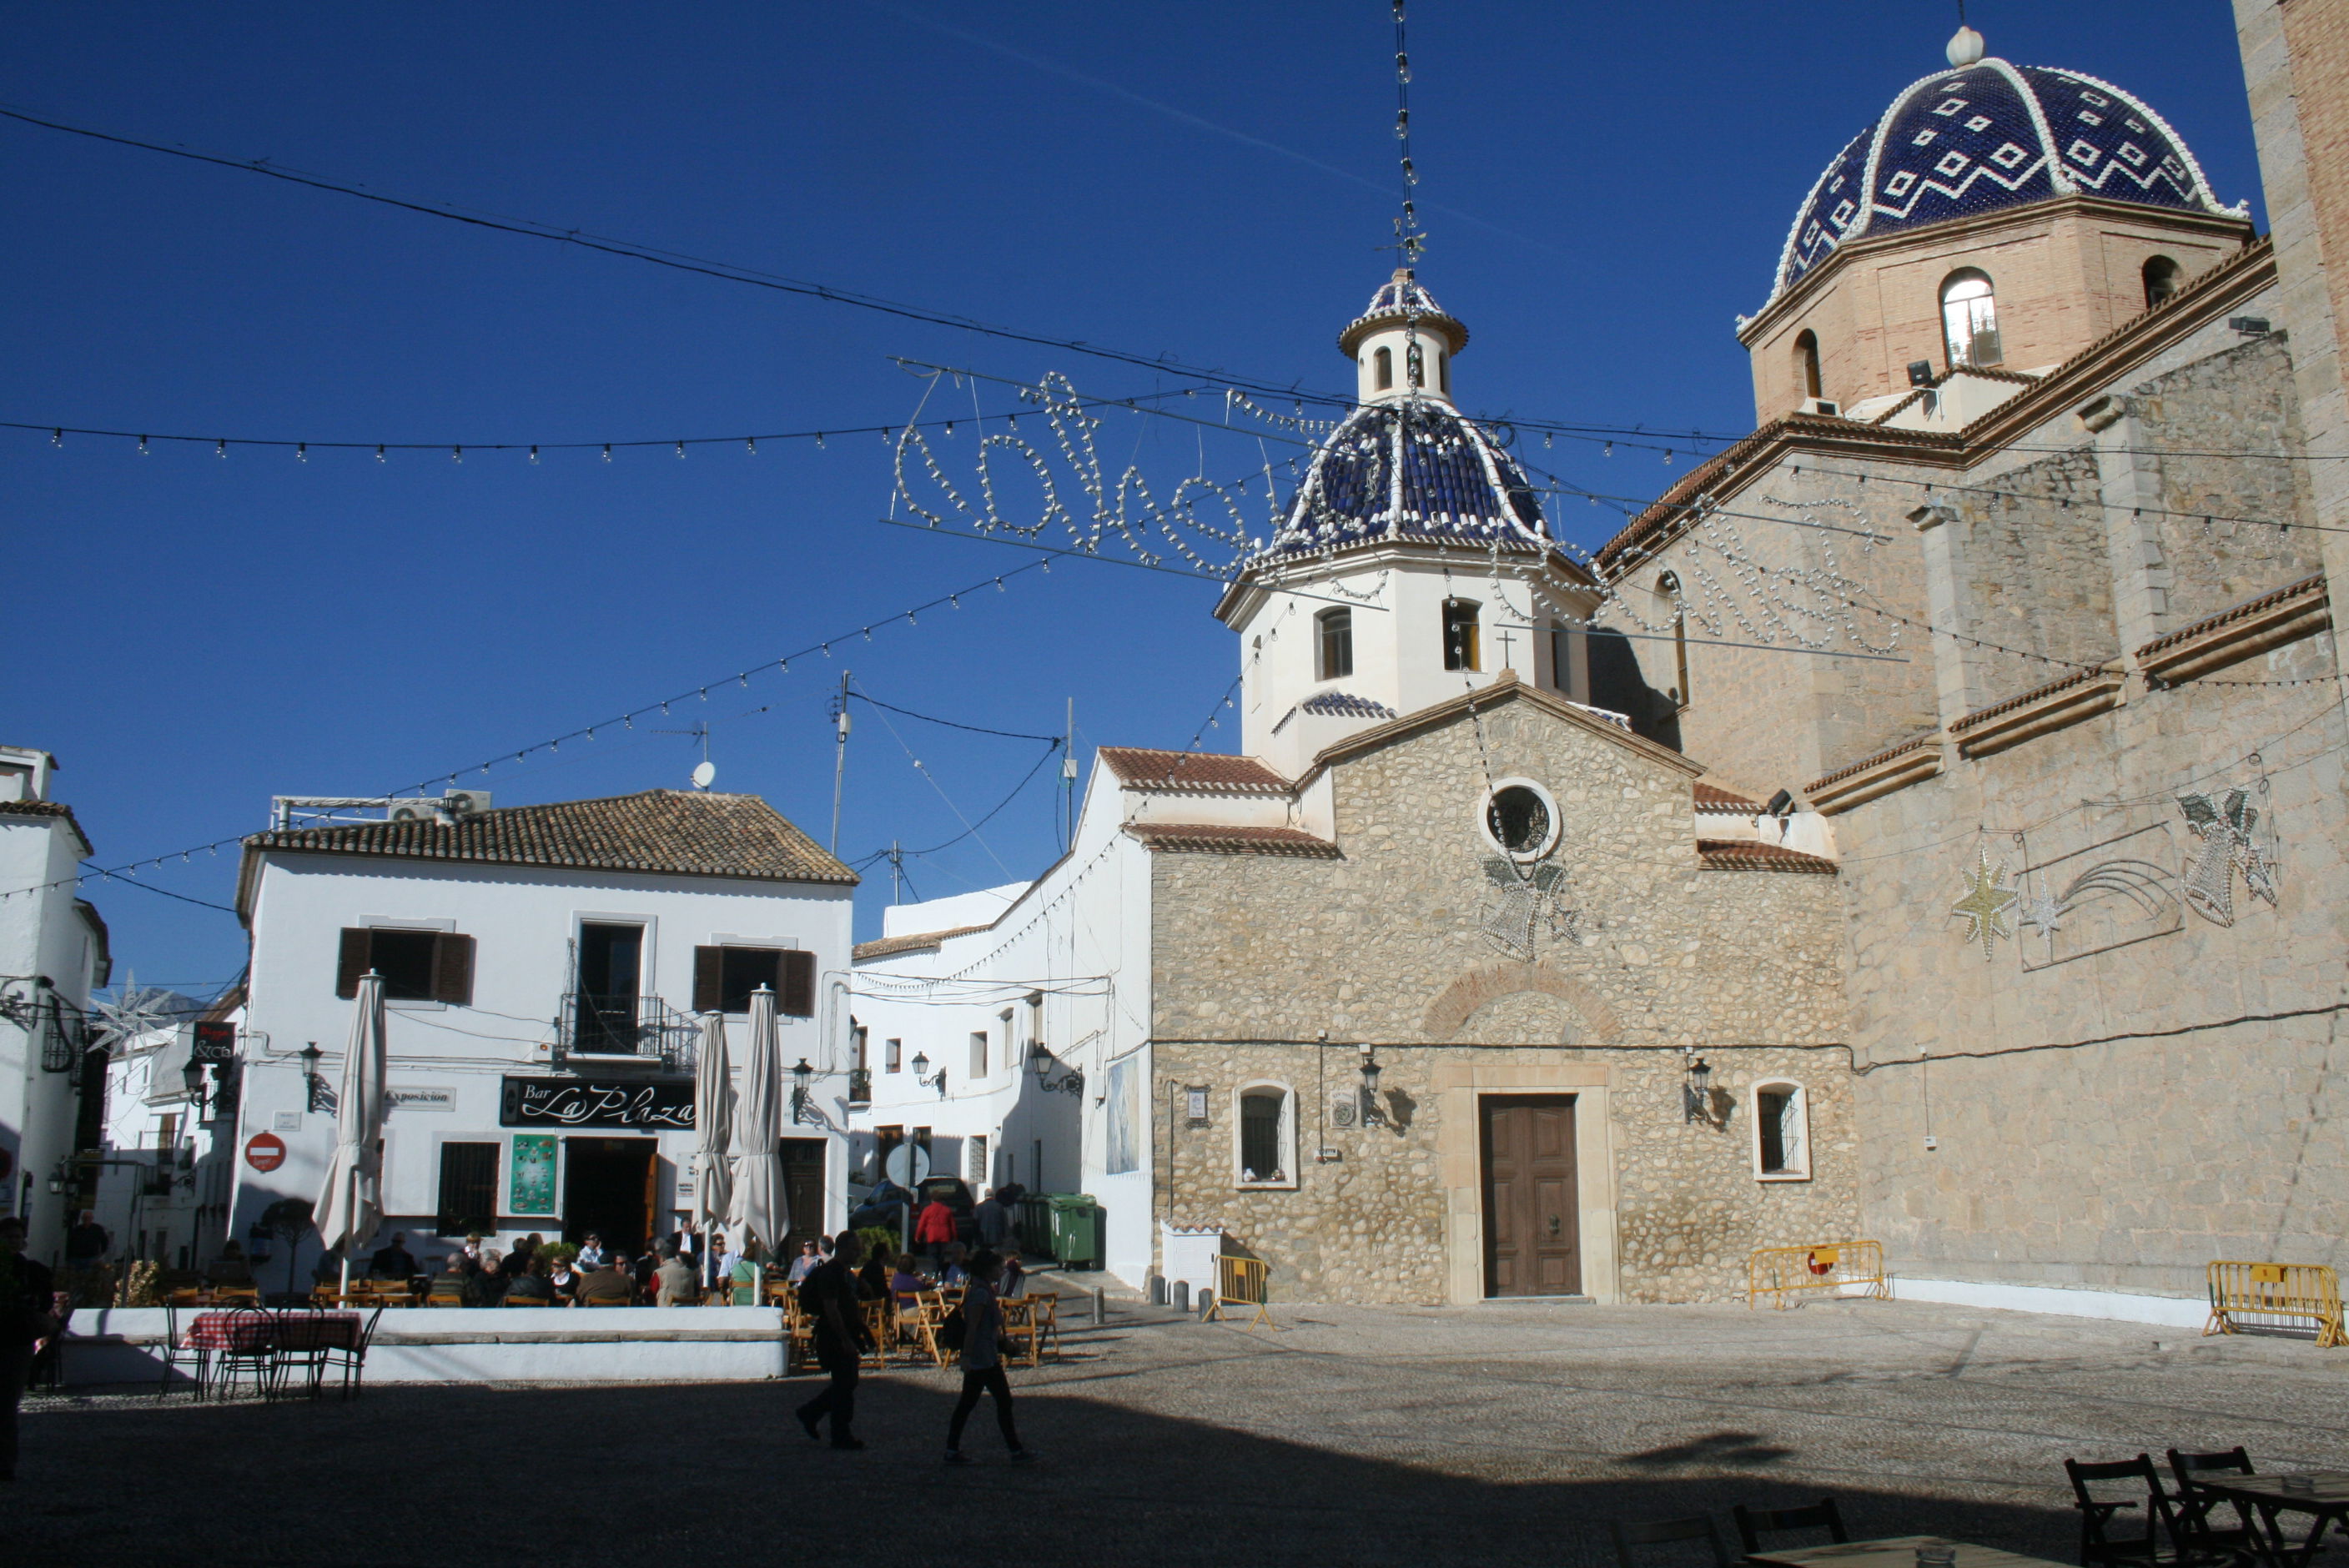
x: 41, y: 933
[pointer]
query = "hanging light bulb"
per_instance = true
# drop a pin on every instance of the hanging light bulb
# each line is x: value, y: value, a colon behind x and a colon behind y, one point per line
x: 534, y: 452
x: 220, y: 449
x: 1609, y: 450
x: 949, y: 426
x: 456, y: 454
x: 143, y: 448
x: 751, y: 442
x: 301, y: 451
x: 378, y: 451
x: 681, y: 448
x: 607, y: 451
x: 56, y: 438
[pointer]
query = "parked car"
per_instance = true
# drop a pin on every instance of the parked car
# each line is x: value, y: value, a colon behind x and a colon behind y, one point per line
x: 954, y: 1193
x: 884, y: 1205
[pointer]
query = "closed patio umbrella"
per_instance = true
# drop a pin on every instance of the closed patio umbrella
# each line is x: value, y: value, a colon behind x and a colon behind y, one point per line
x: 760, y: 1210
x: 713, y: 1114
x: 350, y: 1202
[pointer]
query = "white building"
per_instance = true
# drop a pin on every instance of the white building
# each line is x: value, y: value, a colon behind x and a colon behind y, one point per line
x: 53, y: 954
x: 545, y: 965
x: 159, y: 1175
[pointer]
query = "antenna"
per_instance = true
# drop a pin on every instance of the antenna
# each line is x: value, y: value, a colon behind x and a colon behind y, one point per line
x: 706, y: 769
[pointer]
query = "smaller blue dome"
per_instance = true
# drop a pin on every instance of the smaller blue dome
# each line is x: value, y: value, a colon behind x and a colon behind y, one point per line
x: 1415, y: 470
x: 1991, y: 135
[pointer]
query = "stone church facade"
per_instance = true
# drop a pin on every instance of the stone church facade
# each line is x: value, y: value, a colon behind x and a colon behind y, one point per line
x: 1922, y: 824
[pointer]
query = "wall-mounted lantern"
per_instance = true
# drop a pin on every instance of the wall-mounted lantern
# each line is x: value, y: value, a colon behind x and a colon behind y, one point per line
x: 1371, y: 1115
x: 803, y: 1111
x: 1696, y: 1094
x: 927, y: 1079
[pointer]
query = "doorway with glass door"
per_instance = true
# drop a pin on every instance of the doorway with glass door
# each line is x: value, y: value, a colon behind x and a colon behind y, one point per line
x: 611, y: 973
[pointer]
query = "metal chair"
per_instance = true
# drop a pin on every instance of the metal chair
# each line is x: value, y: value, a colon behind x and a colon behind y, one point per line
x: 351, y: 1359
x: 1753, y: 1523
x: 174, y: 1355
x: 1628, y: 1534
x: 251, y: 1347
x: 2160, y: 1545
x: 301, y: 1344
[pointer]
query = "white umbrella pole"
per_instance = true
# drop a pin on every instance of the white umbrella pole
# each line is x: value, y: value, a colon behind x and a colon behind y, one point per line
x: 350, y: 1206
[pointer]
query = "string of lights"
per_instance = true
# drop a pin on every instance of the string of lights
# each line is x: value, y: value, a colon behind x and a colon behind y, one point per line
x: 2065, y: 503
x: 625, y: 721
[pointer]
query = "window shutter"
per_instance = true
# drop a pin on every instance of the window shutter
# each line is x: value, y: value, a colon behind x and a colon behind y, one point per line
x: 452, y: 969
x: 795, y: 995
x: 353, y: 961
x: 708, y: 977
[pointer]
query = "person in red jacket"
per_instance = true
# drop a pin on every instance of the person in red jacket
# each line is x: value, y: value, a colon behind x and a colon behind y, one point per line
x: 934, y: 1230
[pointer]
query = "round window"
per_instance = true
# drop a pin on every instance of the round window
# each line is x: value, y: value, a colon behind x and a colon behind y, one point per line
x: 1519, y: 819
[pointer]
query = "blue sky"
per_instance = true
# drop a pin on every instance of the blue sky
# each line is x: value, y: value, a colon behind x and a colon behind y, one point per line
x: 1605, y: 187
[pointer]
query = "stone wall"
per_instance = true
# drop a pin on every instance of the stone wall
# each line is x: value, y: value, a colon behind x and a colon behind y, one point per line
x: 1255, y: 956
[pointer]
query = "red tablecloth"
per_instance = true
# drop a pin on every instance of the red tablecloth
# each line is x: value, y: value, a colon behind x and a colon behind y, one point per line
x: 248, y: 1332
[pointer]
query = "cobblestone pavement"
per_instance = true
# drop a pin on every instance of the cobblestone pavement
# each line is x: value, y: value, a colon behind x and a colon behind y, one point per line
x: 1494, y: 1435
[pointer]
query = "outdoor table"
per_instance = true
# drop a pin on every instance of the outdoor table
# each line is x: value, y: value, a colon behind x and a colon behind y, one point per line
x: 2327, y: 1497
x: 247, y: 1335
x: 1893, y: 1551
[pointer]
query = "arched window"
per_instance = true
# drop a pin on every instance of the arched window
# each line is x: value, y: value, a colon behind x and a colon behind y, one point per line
x: 1807, y: 361
x: 1336, y: 627
x: 2162, y: 277
x: 1781, y: 1132
x: 1444, y: 372
x: 1970, y: 318
x: 1265, y: 1151
x: 1670, y: 605
x: 1383, y: 362
x: 1459, y: 650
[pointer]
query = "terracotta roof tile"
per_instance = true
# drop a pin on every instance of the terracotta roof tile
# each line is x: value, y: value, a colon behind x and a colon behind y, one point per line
x: 684, y: 832
x: 49, y: 809
x: 915, y: 942
x: 2307, y: 585
x: 1209, y: 771
x: 1219, y: 838
x: 1709, y: 797
x: 1745, y: 855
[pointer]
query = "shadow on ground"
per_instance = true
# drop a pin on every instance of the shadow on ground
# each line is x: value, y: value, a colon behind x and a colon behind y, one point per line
x: 723, y: 1473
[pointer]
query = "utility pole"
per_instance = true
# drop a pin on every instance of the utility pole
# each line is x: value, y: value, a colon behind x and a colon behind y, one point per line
x: 840, y: 758
x: 1069, y: 775
x: 897, y: 868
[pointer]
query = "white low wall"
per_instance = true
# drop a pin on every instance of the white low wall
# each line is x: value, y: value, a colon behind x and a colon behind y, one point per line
x: 428, y: 1344
x: 2170, y: 1311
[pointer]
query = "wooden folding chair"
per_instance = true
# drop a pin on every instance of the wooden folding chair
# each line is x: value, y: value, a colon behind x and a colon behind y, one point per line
x: 2159, y: 1545
x: 1630, y: 1533
x: 1753, y: 1523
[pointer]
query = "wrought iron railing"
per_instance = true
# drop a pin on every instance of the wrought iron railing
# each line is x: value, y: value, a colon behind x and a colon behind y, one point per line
x: 860, y: 1086
x: 65, y: 1034
x: 641, y: 1027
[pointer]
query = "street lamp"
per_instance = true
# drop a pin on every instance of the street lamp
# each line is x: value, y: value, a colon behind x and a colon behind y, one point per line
x: 803, y: 1111
x: 927, y: 1079
x: 320, y: 1096
x: 1371, y: 1115
x: 192, y: 1077
x: 1696, y: 1095
x: 1072, y: 1082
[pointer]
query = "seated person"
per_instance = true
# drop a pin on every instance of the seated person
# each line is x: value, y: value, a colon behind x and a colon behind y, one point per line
x: 906, y: 1281
x: 231, y: 1267
x: 811, y: 1258
x: 488, y: 1286
x: 677, y: 1283
x: 744, y: 1278
x: 563, y: 1279
x: 613, y: 1284
x: 452, y: 1277
x: 393, y: 1262
x: 958, y: 1271
x: 873, y: 1279
x: 532, y: 1284
x: 1015, y: 1278
x: 590, y: 1252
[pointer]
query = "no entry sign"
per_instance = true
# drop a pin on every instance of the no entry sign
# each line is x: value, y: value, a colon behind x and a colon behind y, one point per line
x: 265, y: 1152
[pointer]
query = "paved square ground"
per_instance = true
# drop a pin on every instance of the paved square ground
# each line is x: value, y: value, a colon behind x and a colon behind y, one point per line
x: 1493, y: 1434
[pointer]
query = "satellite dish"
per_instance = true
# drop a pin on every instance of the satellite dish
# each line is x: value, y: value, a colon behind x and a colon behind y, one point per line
x: 703, y: 773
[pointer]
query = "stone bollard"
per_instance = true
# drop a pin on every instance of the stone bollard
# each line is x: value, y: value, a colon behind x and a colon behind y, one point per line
x: 1101, y: 1307
x: 1182, y: 1295
x: 1158, y: 1289
x: 1206, y: 1305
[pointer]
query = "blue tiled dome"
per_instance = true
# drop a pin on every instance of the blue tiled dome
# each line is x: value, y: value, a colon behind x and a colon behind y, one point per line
x: 1991, y: 135
x: 1413, y: 470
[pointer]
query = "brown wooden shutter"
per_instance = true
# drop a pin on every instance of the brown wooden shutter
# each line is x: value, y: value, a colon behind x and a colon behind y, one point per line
x: 452, y: 969
x: 708, y: 977
x: 356, y: 938
x: 795, y: 996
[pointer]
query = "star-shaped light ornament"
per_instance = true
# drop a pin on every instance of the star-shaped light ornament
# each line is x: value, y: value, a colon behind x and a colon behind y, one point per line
x: 1988, y: 906
x: 134, y: 1011
x: 2043, y: 914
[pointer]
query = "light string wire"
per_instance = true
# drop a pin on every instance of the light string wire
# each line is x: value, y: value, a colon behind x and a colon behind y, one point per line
x: 735, y: 273
x: 625, y: 720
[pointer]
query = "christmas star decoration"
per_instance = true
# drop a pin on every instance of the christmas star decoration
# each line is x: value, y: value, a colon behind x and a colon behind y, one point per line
x: 134, y: 1011
x: 1988, y: 905
x: 2043, y: 914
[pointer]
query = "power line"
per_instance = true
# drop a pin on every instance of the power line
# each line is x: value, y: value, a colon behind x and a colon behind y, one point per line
x: 863, y: 695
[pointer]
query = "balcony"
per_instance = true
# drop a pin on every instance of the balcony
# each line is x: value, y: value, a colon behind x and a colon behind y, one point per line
x: 645, y: 1030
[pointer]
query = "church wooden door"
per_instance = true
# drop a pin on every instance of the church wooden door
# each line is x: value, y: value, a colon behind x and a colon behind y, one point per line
x: 1532, y: 1242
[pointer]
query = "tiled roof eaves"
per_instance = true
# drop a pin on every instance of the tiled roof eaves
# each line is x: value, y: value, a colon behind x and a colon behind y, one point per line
x: 1191, y: 772
x: 915, y: 942
x: 1739, y: 855
x: 2306, y: 586
x: 1864, y: 763
x: 1219, y: 838
x: 1730, y: 471
x: 1982, y: 716
x: 1714, y: 797
x: 49, y: 809
x: 1508, y: 688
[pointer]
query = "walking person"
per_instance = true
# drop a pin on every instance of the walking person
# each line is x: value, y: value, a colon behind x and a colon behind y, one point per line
x: 27, y: 1298
x: 829, y: 1295
x: 982, y: 1360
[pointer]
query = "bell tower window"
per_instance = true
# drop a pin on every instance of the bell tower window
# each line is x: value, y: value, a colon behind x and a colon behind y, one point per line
x: 1807, y: 362
x: 1383, y: 369
x: 1460, y: 647
x: 2162, y: 278
x: 1970, y: 318
x: 1337, y: 643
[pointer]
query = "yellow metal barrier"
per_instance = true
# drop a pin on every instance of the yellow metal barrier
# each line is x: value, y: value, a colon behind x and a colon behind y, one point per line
x: 1243, y: 1282
x: 2310, y: 1291
x: 1780, y: 1271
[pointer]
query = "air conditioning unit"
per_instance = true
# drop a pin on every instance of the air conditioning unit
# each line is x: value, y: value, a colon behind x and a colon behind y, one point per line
x: 414, y: 812
x: 1822, y: 406
x: 464, y: 802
